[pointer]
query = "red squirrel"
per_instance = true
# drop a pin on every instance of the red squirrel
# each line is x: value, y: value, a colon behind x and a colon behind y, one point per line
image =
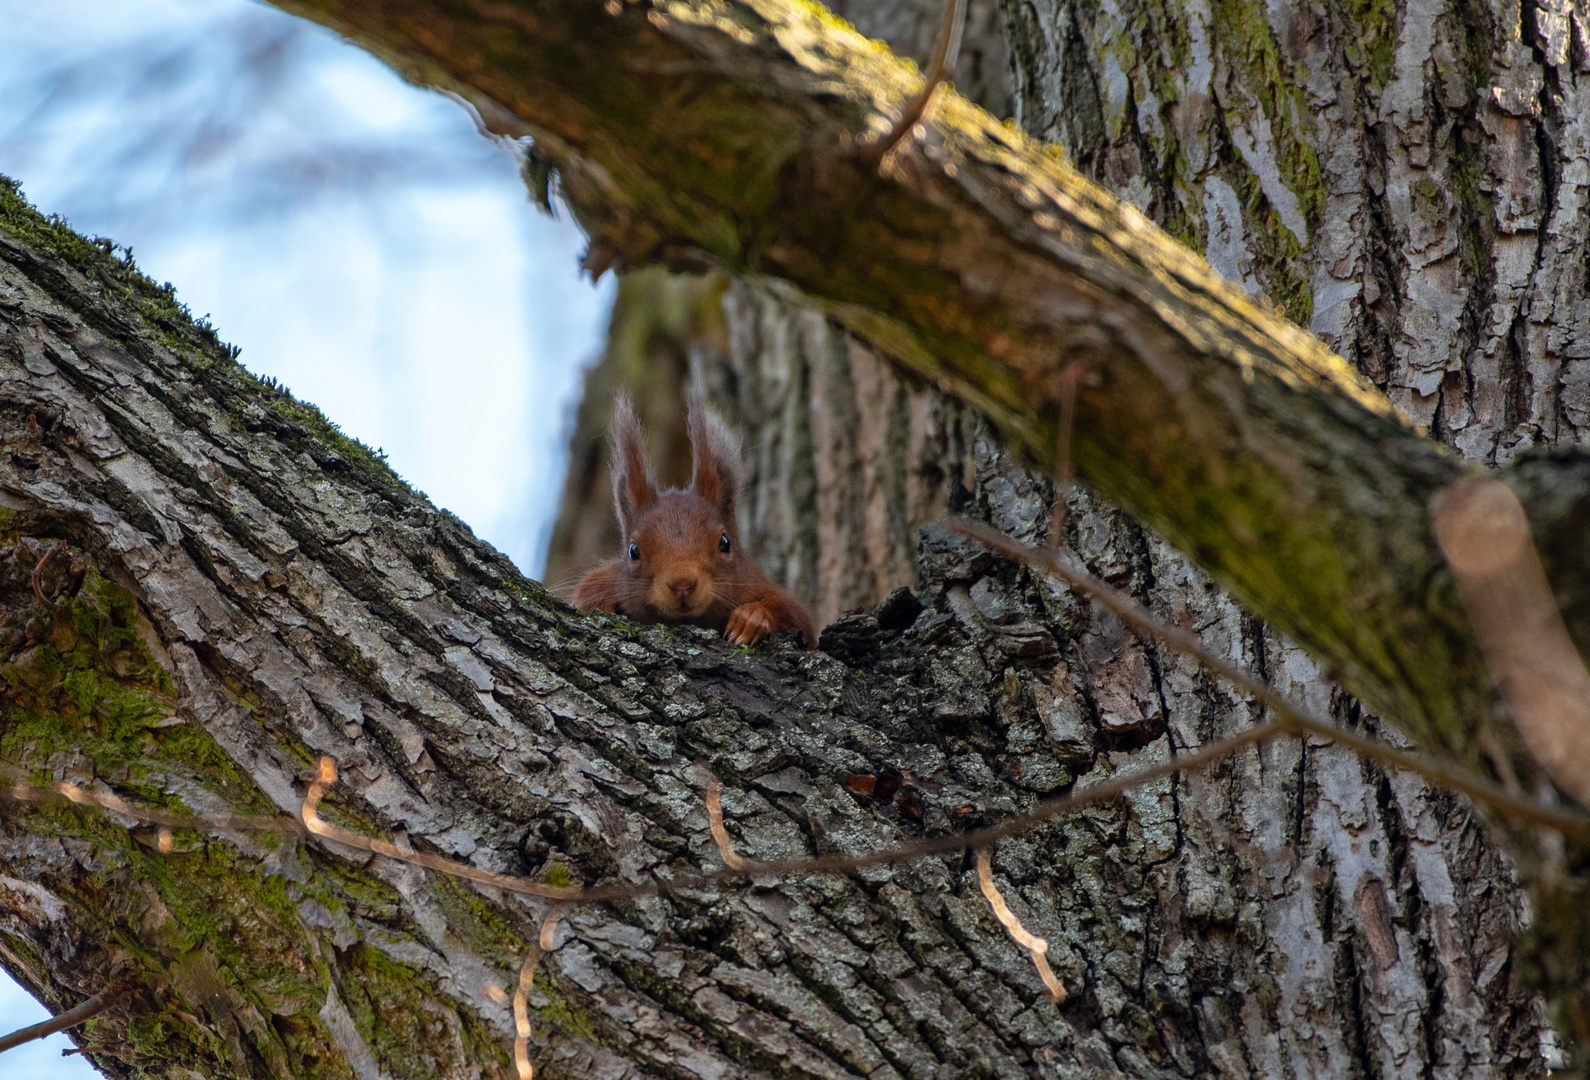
x: 682, y: 561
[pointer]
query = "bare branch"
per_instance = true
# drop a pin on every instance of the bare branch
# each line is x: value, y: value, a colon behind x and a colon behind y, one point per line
x: 521, y: 1017
x: 747, y: 868
x: 549, y: 925
x: 1290, y: 722
x: 752, y: 868
x: 715, y: 820
x: 38, y: 571
x: 222, y: 823
x: 327, y: 776
x: 106, y: 999
x: 1129, y: 612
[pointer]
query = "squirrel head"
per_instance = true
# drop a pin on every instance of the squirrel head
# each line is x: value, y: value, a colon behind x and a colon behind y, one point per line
x: 680, y: 547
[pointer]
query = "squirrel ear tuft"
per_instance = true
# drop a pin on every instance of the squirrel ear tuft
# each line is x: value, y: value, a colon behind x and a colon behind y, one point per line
x: 634, y: 487
x: 717, y: 471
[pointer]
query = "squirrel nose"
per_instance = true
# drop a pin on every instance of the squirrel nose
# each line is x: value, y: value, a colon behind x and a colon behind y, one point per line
x: 683, y: 587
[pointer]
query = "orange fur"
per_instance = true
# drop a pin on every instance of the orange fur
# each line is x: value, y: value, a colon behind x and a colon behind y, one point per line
x: 681, y: 573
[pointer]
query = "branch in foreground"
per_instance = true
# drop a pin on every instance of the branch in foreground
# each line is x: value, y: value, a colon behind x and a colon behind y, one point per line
x: 1036, y: 946
x: 326, y: 775
x: 520, y: 1002
x: 225, y: 824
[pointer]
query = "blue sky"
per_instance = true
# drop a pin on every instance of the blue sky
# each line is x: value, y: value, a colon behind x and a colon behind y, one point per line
x: 355, y: 236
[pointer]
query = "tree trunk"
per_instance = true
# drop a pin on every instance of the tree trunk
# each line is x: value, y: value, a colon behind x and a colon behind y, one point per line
x: 1401, y: 178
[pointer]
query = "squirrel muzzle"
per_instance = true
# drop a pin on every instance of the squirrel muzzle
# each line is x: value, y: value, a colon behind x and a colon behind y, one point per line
x: 682, y: 592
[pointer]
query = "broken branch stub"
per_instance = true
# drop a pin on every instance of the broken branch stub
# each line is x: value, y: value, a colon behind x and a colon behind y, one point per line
x: 1484, y: 534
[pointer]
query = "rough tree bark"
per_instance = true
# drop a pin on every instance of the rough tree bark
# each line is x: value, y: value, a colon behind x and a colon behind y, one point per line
x: 1303, y: 163
x: 365, y: 625
x: 849, y: 459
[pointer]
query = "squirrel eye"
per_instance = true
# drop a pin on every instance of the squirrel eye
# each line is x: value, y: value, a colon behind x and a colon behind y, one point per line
x: 634, y: 551
x: 723, y: 543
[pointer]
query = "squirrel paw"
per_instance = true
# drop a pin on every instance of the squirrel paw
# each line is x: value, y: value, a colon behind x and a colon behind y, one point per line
x: 748, y: 624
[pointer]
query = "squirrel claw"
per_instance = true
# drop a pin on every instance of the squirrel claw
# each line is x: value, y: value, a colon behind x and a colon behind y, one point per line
x: 747, y: 625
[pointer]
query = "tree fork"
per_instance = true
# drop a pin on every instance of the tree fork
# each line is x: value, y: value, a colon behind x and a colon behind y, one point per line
x: 977, y: 260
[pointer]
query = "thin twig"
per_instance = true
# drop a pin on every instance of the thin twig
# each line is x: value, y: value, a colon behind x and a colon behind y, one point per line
x: 946, y: 51
x: 119, y: 1050
x: 1103, y: 792
x: 1037, y: 946
x: 521, y: 996
x: 327, y: 776
x: 1289, y: 721
x: 521, y: 1017
x: 822, y: 864
x: 549, y: 925
x: 726, y: 851
x: 1131, y: 613
x: 100, y: 1002
x: 224, y: 823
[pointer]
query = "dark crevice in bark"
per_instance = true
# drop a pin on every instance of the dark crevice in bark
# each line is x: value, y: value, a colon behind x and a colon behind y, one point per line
x: 1300, y: 808
x: 1380, y: 327
x: 1026, y: 46
x: 1351, y: 980
x: 1518, y: 380
x: 1478, y: 206
x: 1515, y: 375
x: 1081, y: 111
